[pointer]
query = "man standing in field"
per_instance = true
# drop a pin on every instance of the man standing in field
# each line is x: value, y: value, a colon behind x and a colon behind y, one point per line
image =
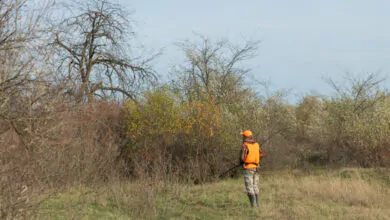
x: 250, y: 158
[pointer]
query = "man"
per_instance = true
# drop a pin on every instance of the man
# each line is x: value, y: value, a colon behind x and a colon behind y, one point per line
x: 250, y: 156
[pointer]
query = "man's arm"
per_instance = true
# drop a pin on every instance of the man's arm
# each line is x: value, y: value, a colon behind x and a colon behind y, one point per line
x: 243, y: 153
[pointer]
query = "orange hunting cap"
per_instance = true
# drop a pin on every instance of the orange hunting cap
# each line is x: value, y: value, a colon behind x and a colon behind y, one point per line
x: 246, y: 133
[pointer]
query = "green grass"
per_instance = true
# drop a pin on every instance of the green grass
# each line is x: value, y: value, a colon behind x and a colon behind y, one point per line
x: 341, y: 194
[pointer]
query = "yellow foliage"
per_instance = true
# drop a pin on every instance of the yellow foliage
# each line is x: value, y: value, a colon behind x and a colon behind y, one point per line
x: 160, y: 114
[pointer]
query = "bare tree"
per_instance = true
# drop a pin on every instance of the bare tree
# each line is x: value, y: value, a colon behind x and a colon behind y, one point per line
x: 19, y: 32
x: 19, y: 35
x: 93, y: 46
x: 214, y: 69
x: 11, y: 40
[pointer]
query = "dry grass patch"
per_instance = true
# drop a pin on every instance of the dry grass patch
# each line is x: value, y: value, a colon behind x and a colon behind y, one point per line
x: 331, y: 195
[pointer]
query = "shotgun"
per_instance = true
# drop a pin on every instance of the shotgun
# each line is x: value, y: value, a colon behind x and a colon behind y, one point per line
x: 230, y: 169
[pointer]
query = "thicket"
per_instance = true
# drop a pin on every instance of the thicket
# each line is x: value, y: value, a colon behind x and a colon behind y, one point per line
x: 78, y: 107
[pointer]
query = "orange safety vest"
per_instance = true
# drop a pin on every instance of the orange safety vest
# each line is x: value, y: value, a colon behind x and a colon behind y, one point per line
x: 252, y: 159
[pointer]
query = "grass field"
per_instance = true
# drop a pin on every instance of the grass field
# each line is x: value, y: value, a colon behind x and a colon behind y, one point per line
x: 337, y: 194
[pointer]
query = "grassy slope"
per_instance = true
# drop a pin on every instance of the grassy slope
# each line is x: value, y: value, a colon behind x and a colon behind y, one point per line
x: 343, y: 194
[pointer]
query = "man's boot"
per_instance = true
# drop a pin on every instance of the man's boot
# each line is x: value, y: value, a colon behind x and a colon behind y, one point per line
x: 252, y: 199
x: 257, y: 200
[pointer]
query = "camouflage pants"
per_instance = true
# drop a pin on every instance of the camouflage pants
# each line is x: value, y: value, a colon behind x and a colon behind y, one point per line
x: 251, y: 179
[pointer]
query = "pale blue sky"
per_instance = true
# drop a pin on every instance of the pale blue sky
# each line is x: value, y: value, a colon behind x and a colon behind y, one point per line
x: 302, y: 40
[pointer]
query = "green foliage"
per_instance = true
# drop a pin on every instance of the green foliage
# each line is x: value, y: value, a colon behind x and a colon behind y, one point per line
x: 309, y: 114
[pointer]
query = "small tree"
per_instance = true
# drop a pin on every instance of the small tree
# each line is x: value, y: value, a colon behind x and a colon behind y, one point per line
x: 212, y: 83
x: 213, y: 73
